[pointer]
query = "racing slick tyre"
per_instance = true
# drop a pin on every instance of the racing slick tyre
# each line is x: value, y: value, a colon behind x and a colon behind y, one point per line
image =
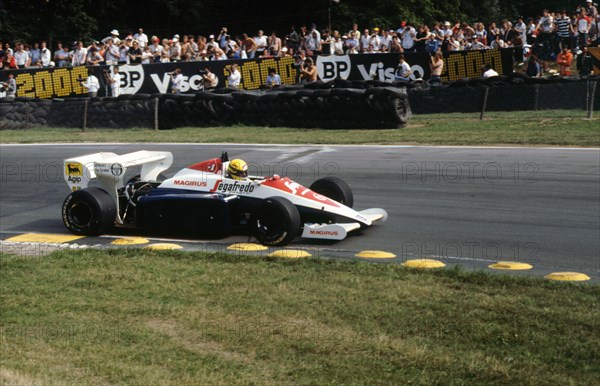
x: 89, y: 212
x: 276, y: 221
x: 334, y: 188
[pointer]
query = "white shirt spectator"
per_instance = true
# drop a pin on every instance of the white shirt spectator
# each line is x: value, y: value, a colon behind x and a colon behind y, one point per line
x: 142, y: 39
x: 111, y: 54
x: 177, y: 84
x: 234, y: 79
x: 79, y: 56
x: 546, y: 23
x: 261, y: 42
x: 21, y: 58
x: 489, y: 73
x: 408, y: 37
x: 92, y: 84
x: 116, y: 84
x: 46, y: 57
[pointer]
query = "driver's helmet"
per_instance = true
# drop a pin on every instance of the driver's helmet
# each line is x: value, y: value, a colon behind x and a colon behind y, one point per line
x: 237, y: 169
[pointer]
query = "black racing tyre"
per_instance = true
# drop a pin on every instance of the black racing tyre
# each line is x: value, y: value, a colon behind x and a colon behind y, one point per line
x: 89, y: 212
x: 276, y: 221
x: 334, y: 188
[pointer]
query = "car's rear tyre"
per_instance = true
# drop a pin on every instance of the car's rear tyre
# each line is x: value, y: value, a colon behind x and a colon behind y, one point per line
x: 89, y: 212
x: 276, y: 221
x: 334, y: 188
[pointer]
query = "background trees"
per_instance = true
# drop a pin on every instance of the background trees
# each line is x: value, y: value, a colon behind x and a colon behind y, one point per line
x: 68, y: 20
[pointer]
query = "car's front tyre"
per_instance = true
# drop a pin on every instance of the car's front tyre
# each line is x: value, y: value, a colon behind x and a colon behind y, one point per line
x: 276, y: 221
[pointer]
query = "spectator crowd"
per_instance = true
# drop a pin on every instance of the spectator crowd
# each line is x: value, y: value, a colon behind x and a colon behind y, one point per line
x: 550, y: 36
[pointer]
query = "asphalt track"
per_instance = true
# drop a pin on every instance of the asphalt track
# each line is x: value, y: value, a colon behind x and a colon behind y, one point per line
x: 462, y: 205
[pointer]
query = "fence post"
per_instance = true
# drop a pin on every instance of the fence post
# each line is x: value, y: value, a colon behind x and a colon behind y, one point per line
x: 155, y: 113
x: 485, y: 98
x: 536, y: 96
x: 591, y: 96
x: 85, y: 113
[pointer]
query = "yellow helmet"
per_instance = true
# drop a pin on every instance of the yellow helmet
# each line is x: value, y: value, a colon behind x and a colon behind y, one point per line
x: 237, y: 169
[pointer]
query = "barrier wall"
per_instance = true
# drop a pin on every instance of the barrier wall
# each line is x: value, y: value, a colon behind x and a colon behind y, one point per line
x: 154, y: 78
x: 376, y: 107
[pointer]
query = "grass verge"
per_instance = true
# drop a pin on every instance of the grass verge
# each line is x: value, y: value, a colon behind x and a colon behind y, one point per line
x: 143, y: 317
x: 519, y: 128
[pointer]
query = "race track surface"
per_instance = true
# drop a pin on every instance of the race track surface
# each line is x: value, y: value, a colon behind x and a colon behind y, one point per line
x: 463, y: 205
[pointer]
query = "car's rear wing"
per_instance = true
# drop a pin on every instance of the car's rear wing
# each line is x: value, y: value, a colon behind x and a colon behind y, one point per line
x: 110, y: 168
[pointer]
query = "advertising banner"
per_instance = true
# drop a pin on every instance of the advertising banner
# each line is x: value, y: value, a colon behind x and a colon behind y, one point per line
x: 155, y: 78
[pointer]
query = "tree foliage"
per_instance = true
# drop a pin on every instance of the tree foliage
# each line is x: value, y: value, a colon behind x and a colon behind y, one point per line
x: 68, y: 20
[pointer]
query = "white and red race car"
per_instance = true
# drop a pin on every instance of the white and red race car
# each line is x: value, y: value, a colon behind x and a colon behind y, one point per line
x: 201, y: 200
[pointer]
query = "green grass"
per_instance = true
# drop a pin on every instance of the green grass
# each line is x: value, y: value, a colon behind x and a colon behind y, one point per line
x: 563, y: 128
x: 141, y: 317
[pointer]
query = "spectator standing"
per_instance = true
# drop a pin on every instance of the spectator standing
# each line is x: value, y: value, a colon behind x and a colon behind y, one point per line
x: 534, y: 69
x: 355, y: 31
x: 437, y: 67
x: 375, y: 40
x: 585, y: 62
x: 147, y: 56
x: 591, y: 10
x: 249, y: 46
x: 222, y: 38
x: 79, y: 55
x: 493, y: 31
x: 433, y: 44
x: 123, y: 51
x: 93, y: 57
x: 10, y: 86
x: 210, y: 80
x: 395, y: 46
x: 273, y: 79
x: 114, y: 35
x: 563, y: 29
x: 45, y: 55
x: 521, y: 28
x: 156, y: 49
x: 421, y: 38
x: 176, y: 81
x: 22, y: 57
x: 408, y: 37
x: 351, y: 45
x: 584, y: 25
x: 7, y: 49
x: 111, y: 53
x: 403, y: 70
x: 564, y: 60
x: 312, y: 43
x: 531, y: 32
x: 274, y: 44
x: 114, y: 80
x: 293, y: 39
x: 364, y: 40
x: 60, y: 57
x: 141, y: 38
x: 35, y: 54
x: 337, y: 44
x: 545, y: 29
x: 175, y: 49
x: 92, y: 84
x: 308, y: 71
x: 235, y: 77
x: 135, y: 53
x: 261, y: 43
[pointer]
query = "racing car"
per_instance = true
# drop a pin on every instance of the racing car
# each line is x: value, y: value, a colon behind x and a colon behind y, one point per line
x: 203, y: 199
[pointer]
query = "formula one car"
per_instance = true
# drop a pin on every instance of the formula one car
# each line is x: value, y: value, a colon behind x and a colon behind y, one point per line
x: 203, y: 199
